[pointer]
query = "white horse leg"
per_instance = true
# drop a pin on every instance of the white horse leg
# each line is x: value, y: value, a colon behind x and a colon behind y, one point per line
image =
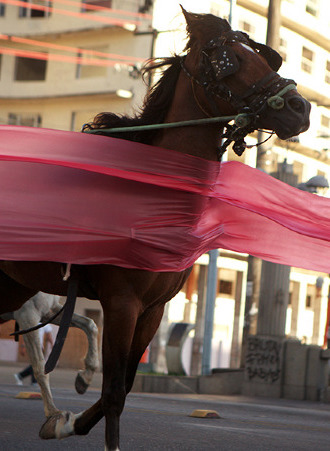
x: 34, y: 350
x: 84, y: 377
x: 59, y: 426
x: 91, y: 360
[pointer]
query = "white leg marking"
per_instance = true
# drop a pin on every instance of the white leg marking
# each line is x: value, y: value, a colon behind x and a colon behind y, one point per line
x: 65, y: 426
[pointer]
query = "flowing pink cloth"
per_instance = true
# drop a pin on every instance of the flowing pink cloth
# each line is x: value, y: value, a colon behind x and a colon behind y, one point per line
x: 78, y: 198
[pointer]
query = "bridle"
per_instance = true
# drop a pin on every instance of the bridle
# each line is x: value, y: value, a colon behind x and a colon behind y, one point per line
x: 268, y: 91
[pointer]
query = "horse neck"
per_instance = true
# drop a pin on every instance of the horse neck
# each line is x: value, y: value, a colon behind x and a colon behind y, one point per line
x: 197, y: 140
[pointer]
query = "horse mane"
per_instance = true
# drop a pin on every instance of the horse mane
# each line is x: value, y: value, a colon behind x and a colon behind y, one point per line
x: 200, y: 29
x: 155, y: 106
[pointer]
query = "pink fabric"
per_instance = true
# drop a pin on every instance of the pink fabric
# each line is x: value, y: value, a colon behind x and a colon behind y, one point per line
x: 78, y: 198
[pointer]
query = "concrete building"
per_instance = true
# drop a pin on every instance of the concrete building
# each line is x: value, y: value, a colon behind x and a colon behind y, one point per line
x: 304, y: 46
x: 68, y: 87
x: 66, y: 61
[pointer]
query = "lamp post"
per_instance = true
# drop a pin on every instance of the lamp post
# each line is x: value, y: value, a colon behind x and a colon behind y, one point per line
x: 319, y: 185
x: 211, y: 292
x: 212, y: 274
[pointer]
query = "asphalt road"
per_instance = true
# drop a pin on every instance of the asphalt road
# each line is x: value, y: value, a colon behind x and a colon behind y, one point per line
x: 162, y: 422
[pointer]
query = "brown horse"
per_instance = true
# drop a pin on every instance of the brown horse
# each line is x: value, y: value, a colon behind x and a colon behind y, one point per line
x: 223, y: 72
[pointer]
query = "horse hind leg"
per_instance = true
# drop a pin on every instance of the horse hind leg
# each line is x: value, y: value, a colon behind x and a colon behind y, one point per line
x: 87, y: 325
x: 84, y: 377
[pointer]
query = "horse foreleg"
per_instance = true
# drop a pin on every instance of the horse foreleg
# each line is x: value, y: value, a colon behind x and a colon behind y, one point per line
x: 65, y: 424
x: 36, y: 357
x: 145, y: 330
x: 120, y: 317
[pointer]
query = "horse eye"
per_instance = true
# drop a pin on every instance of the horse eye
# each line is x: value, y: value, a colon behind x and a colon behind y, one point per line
x: 239, y: 58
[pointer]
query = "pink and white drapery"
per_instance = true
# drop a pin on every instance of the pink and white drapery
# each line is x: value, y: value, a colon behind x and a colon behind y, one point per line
x: 78, y: 198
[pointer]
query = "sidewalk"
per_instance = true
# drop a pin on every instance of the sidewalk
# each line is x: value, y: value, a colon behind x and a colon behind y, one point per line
x: 170, y: 386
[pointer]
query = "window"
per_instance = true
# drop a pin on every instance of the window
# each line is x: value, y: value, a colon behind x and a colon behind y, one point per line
x: 327, y: 72
x: 325, y: 122
x: 271, y: 161
x: 307, y: 60
x: 98, y: 3
x: 226, y: 287
x: 298, y: 169
x: 89, y: 70
x: 73, y: 121
x: 29, y: 69
x: 310, y: 295
x: 324, y: 130
x: 312, y: 7
x: 217, y: 10
x: 247, y: 27
x: 35, y: 13
x: 283, y: 49
x: 2, y: 9
x: 27, y: 119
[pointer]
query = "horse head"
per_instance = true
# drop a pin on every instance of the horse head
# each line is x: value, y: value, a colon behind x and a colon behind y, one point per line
x: 231, y: 72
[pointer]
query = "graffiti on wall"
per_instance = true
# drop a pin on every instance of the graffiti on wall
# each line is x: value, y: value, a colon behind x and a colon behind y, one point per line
x: 263, y: 359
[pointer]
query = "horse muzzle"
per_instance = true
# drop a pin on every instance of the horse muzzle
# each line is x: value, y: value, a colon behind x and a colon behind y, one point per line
x: 292, y: 118
x: 299, y: 108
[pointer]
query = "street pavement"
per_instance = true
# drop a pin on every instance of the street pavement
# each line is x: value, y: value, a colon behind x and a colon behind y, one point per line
x: 155, y: 422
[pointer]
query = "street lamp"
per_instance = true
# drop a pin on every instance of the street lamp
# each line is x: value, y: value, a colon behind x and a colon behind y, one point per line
x: 317, y: 185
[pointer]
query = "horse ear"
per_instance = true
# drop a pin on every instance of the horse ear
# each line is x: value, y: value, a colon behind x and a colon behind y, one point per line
x: 191, y: 18
x: 273, y: 58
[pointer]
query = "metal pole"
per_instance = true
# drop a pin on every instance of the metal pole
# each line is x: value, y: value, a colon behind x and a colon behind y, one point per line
x: 232, y: 15
x: 274, y: 24
x: 273, y: 40
x: 212, y: 278
x: 255, y: 264
x: 212, y: 274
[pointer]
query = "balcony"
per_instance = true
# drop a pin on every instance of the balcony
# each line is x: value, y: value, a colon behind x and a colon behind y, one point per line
x: 40, y: 17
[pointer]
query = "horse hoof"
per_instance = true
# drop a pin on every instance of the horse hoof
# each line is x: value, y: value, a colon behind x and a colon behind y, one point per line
x: 47, y: 430
x: 80, y: 385
x: 58, y: 426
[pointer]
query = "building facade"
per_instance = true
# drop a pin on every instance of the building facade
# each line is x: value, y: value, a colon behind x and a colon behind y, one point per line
x: 66, y: 61
x: 304, y: 47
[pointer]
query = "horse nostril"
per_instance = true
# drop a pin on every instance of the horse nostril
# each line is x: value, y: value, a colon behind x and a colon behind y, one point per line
x: 296, y: 104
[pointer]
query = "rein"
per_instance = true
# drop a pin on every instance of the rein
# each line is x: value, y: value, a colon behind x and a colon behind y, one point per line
x: 239, y: 119
x: 64, y: 325
x: 237, y: 132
